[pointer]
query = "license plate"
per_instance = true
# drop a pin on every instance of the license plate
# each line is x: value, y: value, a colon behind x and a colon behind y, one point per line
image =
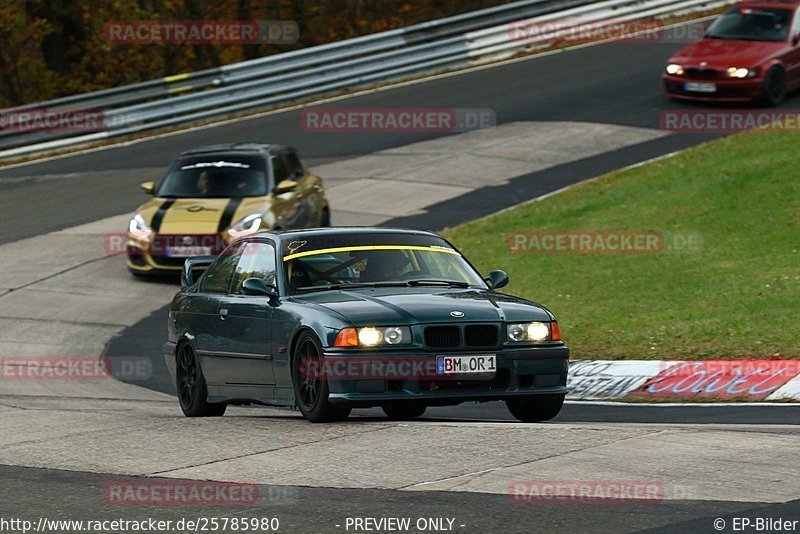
x: 700, y: 87
x: 466, y: 365
x: 187, y: 251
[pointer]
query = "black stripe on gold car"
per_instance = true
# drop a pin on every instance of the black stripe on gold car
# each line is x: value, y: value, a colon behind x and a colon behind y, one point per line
x: 227, y: 216
x: 158, y: 217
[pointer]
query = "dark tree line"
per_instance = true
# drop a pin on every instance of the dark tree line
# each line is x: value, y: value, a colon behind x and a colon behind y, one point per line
x: 52, y: 48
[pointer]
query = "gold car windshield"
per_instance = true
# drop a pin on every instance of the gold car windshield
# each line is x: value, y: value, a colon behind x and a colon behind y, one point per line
x: 377, y: 265
x: 220, y: 177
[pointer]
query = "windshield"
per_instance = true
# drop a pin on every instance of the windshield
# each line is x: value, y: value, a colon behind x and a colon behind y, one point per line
x: 215, y: 177
x: 752, y: 24
x: 394, y: 265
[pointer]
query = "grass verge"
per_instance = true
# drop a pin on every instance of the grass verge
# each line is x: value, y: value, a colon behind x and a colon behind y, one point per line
x: 735, y: 295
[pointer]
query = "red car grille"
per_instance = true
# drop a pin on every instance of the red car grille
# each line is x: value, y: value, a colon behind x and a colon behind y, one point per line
x: 702, y: 74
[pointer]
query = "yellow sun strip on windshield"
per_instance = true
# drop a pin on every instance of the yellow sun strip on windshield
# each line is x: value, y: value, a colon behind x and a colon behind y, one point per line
x: 368, y: 247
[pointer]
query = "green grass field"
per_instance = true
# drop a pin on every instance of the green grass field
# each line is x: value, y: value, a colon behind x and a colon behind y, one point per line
x: 737, y: 295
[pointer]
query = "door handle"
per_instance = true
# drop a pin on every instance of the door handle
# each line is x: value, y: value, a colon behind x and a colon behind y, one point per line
x: 223, y: 313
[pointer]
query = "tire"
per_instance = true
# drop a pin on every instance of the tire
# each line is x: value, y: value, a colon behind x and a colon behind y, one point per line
x: 403, y: 411
x: 310, y: 392
x: 192, y: 389
x: 535, y: 408
x: 775, y: 86
x: 325, y: 218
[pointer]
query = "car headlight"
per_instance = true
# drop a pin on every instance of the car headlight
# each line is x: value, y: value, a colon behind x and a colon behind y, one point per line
x: 741, y: 72
x: 536, y: 331
x: 139, y: 228
x: 675, y: 69
x: 370, y: 336
x: 246, y: 225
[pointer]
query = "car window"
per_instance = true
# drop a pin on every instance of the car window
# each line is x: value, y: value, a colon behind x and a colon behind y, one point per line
x: 440, y: 267
x: 353, y: 265
x: 752, y: 24
x: 215, y: 177
x: 256, y: 261
x: 279, y: 169
x: 293, y: 164
x: 217, y: 279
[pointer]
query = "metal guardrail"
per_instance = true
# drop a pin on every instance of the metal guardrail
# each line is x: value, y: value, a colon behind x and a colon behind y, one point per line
x: 426, y: 48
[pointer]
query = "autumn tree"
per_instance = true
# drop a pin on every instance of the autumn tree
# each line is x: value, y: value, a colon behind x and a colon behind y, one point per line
x: 53, y: 48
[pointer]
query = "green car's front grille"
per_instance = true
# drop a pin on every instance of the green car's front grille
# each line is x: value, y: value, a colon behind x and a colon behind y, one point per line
x: 461, y: 336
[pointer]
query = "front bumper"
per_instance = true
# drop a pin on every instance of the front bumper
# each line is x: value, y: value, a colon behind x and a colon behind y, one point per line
x: 520, y: 372
x: 728, y: 90
x: 152, y: 255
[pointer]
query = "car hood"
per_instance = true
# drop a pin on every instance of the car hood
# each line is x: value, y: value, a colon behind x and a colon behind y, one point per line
x: 724, y: 53
x: 199, y: 215
x: 401, y: 306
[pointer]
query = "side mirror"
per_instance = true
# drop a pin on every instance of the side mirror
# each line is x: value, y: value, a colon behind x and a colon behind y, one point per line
x: 796, y: 39
x: 258, y: 288
x: 285, y: 186
x: 192, y: 264
x: 497, y: 279
x: 149, y: 187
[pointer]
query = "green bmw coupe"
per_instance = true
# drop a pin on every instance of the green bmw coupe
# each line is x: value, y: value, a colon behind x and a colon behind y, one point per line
x: 332, y: 319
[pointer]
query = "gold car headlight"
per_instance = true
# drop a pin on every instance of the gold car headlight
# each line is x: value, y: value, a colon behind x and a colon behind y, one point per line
x: 139, y: 228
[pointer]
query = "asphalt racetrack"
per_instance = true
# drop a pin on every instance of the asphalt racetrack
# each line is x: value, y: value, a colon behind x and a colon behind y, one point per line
x: 63, y: 445
x: 576, y: 85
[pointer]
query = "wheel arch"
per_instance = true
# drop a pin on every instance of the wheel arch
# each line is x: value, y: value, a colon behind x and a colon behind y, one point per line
x: 295, y: 338
x: 185, y: 340
x: 772, y: 63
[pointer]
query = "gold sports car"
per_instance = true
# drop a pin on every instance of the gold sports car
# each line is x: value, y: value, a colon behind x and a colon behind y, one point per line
x: 215, y: 194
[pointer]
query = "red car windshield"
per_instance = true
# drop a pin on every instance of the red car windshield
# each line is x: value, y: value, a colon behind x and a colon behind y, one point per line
x: 752, y: 24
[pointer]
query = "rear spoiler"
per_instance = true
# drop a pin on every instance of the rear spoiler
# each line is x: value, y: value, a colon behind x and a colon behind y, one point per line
x: 196, y: 262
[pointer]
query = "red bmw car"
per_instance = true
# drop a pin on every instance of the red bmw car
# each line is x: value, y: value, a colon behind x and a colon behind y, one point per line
x: 750, y: 53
